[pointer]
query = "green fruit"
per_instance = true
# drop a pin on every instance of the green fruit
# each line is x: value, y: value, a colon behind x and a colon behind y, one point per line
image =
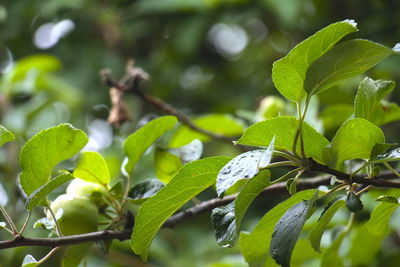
x: 270, y: 107
x: 79, y: 216
x: 93, y: 191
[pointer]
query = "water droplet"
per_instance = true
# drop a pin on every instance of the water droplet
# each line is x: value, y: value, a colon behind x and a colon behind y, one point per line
x: 274, y: 252
x: 351, y: 22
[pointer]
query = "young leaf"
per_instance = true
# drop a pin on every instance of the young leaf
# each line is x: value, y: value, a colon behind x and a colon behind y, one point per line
x: 45, y: 150
x: 368, y: 97
x: 255, y: 245
x: 323, y: 221
x: 190, y: 180
x: 355, y: 139
x: 29, y: 261
x: 287, y: 231
x: 346, y: 60
x: 42, y: 192
x: 5, y: 136
x: 378, y: 224
x: 144, y: 190
x: 353, y: 203
x: 92, y: 168
x: 166, y: 165
x: 284, y: 129
x: 227, y: 219
x: 244, y: 166
x: 138, y: 142
x: 289, y: 73
x: 222, y: 124
x: 390, y: 199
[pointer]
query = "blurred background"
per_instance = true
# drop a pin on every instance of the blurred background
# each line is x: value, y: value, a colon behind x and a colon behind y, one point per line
x: 203, y: 56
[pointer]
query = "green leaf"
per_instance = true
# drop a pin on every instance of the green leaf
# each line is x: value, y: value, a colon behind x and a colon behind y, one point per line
x: 223, y: 220
x: 378, y: 224
x: 355, y: 139
x: 138, y: 142
x: 42, y: 192
x: 381, y: 149
x: 330, y: 257
x: 244, y: 166
x: 323, y: 221
x: 5, y: 136
x: 287, y: 231
x: 335, y: 115
x: 221, y: 124
x: 392, y: 155
x: 140, y: 192
x: 255, y: 245
x: 291, y: 186
x: 390, y: 199
x: 368, y: 97
x: 284, y: 129
x: 227, y: 219
x: 190, y: 152
x: 29, y: 261
x: 353, y: 203
x: 92, y: 168
x: 289, y: 73
x: 166, y: 165
x: 190, y: 180
x: 346, y: 60
x: 45, y: 150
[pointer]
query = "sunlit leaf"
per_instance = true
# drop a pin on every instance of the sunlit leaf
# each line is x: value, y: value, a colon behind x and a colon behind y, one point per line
x: 45, y: 150
x: 190, y: 180
x: 92, y: 168
x: 289, y: 73
x: 346, y: 60
x: 42, y: 192
x: 5, y: 136
x: 138, y: 142
x: 284, y: 129
x: 166, y: 164
x: 355, y: 139
x: 368, y: 97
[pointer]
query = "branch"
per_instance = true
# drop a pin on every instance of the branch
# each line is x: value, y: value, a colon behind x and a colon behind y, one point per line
x: 130, y: 83
x: 206, y: 206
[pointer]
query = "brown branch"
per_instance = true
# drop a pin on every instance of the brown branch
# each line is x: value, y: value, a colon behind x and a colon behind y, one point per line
x: 175, y: 219
x: 130, y: 84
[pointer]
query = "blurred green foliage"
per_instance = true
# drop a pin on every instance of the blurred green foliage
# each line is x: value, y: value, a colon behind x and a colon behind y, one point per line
x: 204, y: 56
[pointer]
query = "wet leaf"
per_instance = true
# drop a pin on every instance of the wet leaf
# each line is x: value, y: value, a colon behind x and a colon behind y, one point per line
x: 144, y: 190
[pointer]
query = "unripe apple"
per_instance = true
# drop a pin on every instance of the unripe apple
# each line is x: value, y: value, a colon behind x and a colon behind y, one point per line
x: 79, y: 216
x: 270, y: 106
x: 93, y: 191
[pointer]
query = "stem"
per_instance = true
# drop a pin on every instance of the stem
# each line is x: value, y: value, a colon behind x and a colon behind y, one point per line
x: 390, y: 168
x: 281, y: 163
x: 364, y: 190
x: 284, y: 177
x: 58, y: 230
x: 9, y: 220
x: 51, y: 253
x: 286, y: 155
x: 25, y: 223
